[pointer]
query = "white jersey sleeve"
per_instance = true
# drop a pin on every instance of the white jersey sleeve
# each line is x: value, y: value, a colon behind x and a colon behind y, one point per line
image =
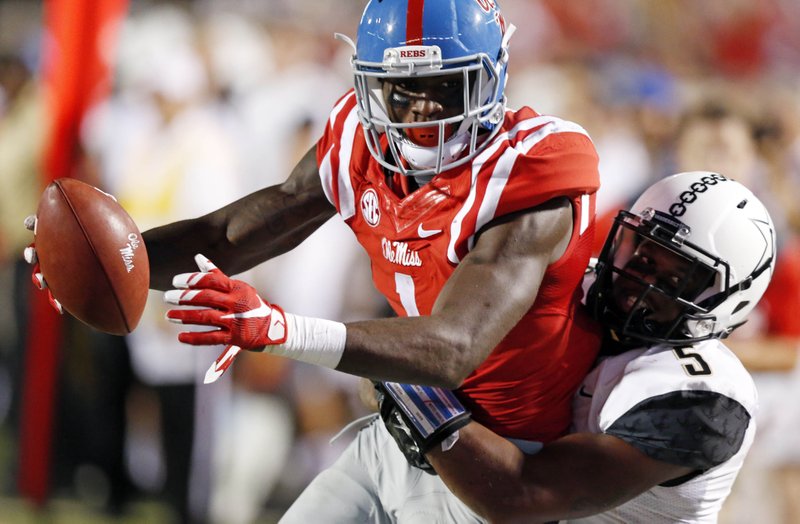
x: 692, y: 406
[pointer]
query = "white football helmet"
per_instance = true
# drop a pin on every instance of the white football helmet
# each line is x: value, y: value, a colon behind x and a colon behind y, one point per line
x: 723, y: 239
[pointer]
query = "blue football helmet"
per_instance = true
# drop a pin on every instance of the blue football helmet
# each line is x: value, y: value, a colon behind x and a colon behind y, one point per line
x: 407, y: 39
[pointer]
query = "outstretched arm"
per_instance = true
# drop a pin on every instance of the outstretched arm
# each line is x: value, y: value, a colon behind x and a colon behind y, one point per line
x: 244, y: 233
x: 488, y: 293
x: 576, y: 475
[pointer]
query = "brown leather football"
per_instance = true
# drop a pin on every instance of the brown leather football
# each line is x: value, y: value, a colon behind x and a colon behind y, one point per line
x: 92, y: 256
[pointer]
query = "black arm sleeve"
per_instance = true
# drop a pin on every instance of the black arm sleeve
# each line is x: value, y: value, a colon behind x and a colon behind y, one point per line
x: 695, y: 429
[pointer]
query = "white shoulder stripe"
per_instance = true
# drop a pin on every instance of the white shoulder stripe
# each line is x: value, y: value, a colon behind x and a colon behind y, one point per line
x: 455, y: 225
x: 488, y: 206
x: 556, y: 125
x: 326, y: 176
x: 338, y: 108
x: 326, y: 168
x: 346, y: 195
x: 494, y: 189
x: 584, y: 213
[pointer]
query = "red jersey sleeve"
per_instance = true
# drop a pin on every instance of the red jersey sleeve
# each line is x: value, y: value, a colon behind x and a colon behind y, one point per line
x: 557, y: 162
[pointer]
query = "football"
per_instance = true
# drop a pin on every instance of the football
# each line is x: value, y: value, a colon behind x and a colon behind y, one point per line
x: 92, y: 256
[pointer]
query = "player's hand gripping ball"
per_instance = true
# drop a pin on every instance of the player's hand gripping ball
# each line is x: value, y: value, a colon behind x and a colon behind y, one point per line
x: 89, y: 254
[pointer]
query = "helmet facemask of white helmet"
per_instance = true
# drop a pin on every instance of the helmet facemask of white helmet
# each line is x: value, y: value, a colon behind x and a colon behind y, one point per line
x: 647, y: 288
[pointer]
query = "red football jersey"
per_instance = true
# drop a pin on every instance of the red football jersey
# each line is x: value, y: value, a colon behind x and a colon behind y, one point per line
x: 415, y: 239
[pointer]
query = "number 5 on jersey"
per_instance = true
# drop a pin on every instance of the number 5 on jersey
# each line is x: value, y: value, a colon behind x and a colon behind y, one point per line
x: 697, y: 366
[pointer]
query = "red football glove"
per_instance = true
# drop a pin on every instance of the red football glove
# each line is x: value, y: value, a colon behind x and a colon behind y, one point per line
x: 243, y: 320
x: 38, y: 279
x: 232, y: 306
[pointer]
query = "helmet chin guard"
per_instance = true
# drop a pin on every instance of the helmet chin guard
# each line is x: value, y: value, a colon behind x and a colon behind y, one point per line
x: 421, y: 158
x: 403, y: 39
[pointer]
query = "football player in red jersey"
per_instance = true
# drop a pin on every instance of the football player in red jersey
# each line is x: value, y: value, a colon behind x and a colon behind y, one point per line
x: 663, y: 423
x: 478, y: 220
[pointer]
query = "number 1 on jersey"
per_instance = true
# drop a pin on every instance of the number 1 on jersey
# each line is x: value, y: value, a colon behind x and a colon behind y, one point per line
x: 404, y: 285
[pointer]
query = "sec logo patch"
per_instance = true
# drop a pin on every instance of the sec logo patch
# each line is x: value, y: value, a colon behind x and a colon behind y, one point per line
x: 370, y: 209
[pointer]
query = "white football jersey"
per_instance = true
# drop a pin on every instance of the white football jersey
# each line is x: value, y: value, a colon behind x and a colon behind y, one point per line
x: 693, y: 406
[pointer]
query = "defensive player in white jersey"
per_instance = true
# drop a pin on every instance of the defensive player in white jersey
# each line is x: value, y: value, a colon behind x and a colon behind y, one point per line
x: 478, y: 220
x: 664, y: 421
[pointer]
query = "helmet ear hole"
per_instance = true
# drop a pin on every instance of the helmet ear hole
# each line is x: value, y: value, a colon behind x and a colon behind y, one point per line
x: 740, y: 306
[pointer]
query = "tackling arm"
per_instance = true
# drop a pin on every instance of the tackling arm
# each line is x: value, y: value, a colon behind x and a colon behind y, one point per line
x: 576, y: 475
x: 244, y: 233
x: 482, y: 301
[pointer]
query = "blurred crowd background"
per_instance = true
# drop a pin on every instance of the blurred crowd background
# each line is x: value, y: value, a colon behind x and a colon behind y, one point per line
x: 214, y: 99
